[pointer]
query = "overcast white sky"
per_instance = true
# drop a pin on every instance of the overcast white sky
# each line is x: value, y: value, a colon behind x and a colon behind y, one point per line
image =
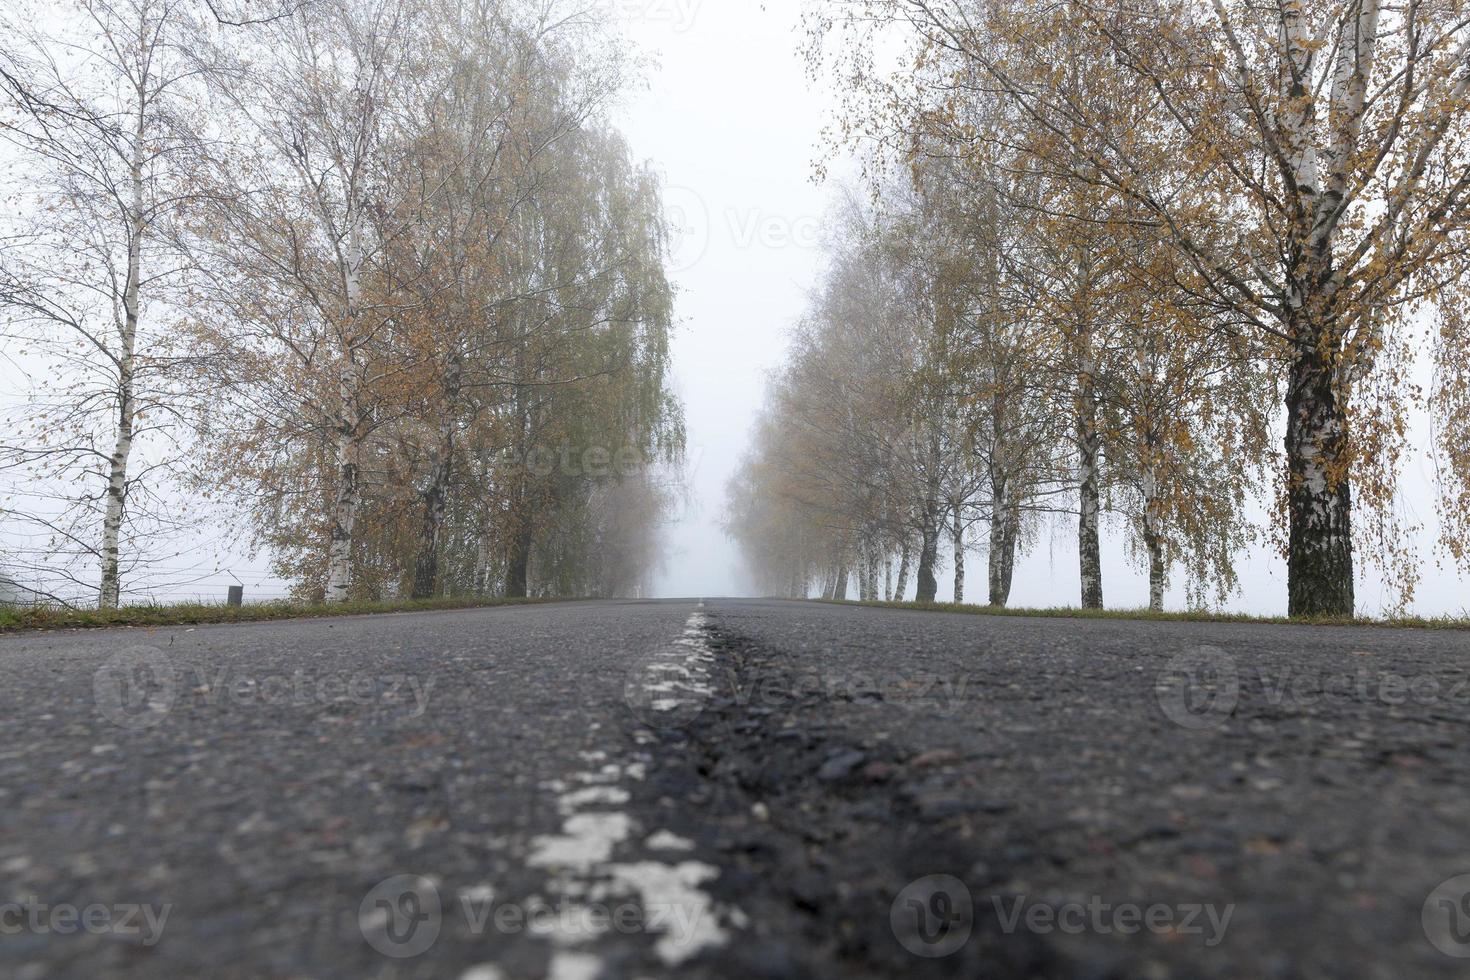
x: 730, y: 120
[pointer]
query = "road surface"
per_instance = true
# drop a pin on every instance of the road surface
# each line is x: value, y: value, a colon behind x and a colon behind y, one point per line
x: 734, y: 789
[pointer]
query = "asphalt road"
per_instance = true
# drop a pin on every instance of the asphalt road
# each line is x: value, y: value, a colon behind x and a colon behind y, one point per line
x: 734, y: 789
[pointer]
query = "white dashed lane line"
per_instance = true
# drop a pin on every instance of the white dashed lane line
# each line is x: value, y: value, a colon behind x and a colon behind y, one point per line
x: 603, y: 854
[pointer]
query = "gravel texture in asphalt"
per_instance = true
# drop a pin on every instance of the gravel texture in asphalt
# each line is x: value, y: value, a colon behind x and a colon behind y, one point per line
x: 734, y: 789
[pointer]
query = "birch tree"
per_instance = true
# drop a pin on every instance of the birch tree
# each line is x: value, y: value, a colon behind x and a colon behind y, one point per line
x: 1192, y: 437
x: 100, y: 106
x: 443, y: 263
x: 1306, y: 163
x: 321, y: 94
x: 493, y: 107
x: 1009, y: 429
x: 1450, y: 403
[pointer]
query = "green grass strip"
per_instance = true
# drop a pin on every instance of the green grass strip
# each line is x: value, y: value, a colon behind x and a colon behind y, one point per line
x: 16, y: 619
x: 1145, y: 615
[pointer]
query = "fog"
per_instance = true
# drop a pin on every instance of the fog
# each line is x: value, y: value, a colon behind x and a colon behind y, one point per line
x: 734, y: 124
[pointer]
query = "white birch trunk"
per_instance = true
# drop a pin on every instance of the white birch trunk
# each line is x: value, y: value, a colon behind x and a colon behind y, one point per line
x: 1089, y: 446
x: 1002, y: 557
x: 959, y: 555
x: 1319, y: 498
x: 902, y: 588
x: 1153, y: 540
x: 1087, y: 527
x: 344, y: 510
x: 110, y: 591
x: 930, y: 517
x: 349, y: 434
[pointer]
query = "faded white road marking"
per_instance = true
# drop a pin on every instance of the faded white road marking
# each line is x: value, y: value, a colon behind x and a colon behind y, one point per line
x: 675, y: 683
x: 586, y: 841
x: 577, y: 799
x: 685, y: 918
x: 488, y: 971
x: 663, y: 840
x: 573, y: 966
x: 674, y: 890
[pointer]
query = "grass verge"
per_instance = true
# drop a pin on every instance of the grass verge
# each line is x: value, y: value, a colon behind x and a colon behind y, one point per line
x: 1407, y: 622
x: 16, y: 620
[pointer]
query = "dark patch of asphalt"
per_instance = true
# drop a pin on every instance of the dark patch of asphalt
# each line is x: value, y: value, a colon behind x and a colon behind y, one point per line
x: 1312, y: 784
x: 1028, y: 797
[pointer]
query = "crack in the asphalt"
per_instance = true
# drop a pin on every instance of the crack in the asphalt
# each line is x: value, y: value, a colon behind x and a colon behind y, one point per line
x: 817, y: 837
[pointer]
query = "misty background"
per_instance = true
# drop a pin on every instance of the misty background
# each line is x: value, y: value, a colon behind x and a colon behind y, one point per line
x: 730, y: 117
